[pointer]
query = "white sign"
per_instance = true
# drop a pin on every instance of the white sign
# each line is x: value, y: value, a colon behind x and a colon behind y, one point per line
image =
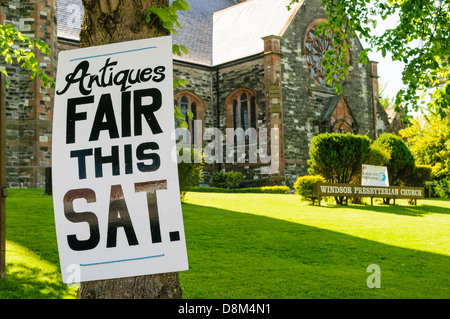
x: 374, y: 175
x: 115, y: 185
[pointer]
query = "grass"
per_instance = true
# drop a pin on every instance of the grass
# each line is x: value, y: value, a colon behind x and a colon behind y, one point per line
x: 32, y: 261
x: 263, y: 246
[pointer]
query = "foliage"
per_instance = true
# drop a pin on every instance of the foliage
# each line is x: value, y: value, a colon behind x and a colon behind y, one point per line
x: 419, y: 40
x: 421, y: 175
x: 304, y: 187
x: 167, y: 15
x: 401, y: 162
x: 190, y: 173
x: 275, y: 189
x: 337, y: 156
x: 376, y: 156
x: 257, y: 190
x: 428, y: 138
x: 224, y: 179
x: 385, y: 101
x: 18, y: 48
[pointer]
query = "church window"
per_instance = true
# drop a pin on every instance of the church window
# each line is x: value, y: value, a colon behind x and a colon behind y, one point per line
x: 190, y: 102
x: 241, y: 112
x: 315, y: 48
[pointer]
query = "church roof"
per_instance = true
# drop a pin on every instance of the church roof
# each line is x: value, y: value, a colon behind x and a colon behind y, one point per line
x: 238, y: 30
x: 214, y: 31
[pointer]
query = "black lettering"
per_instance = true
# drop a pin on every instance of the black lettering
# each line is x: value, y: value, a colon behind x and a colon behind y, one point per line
x: 150, y: 188
x: 81, y: 154
x: 72, y: 78
x: 159, y: 72
x: 104, y: 109
x: 147, y: 110
x: 141, y: 155
x: 119, y: 217
x: 146, y: 75
x: 136, y: 79
x: 103, y: 72
x: 87, y: 217
x: 73, y: 116
x: 128, y: 159
x: 126, y: 117
x: 121, y: 78
x: 100, y: 160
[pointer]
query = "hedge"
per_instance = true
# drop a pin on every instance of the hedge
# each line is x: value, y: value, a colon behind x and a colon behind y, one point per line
x: 263, y: 190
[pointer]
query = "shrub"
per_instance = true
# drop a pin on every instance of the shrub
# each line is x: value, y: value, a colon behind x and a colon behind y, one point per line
x: 275, y: 189
x: 304, y: 187
x: 189, y: 174
x: 375, y: 156
x: 224, y: 179
x: 421, y: 175
x: 337, y: 157
x: 401, y: 162
x: 264, y: 189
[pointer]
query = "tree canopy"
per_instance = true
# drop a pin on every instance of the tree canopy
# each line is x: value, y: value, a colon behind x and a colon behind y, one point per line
x: 17, y: 47
x: 419, y: 40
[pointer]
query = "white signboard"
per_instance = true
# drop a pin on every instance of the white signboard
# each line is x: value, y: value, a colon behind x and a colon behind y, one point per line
x: 374, y: 175
x: 115, y: 185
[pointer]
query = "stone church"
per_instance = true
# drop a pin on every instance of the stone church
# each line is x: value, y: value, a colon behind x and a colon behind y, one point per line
x: 252, y: 66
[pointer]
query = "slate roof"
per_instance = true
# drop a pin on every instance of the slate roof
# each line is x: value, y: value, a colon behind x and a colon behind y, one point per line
x: 214, y: 31
x: 237, y: 30
x: 69, y: 17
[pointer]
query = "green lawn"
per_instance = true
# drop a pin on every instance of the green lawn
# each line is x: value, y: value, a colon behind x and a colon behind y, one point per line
x: 263, y: 246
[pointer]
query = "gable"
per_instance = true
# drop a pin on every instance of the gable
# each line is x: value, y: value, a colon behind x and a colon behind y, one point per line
x: 214, y: 31
x: 238, y: 30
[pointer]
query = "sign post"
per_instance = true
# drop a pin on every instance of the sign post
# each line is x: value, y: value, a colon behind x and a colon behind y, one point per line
x: 2, y: 178
x: 115, y: 184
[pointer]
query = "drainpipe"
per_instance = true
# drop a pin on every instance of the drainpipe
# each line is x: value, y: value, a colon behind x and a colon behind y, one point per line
x: 374, y: 84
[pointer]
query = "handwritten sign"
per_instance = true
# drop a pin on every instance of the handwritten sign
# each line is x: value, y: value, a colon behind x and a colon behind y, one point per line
x: 115, y: 184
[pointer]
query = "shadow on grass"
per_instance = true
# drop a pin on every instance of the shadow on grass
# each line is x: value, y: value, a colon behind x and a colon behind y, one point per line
x: 26, y: 281
x: 239, y: 255
x: 32, y: 260
x: 419, y: 210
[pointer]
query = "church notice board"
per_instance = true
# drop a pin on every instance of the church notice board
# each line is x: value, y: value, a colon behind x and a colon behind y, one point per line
x: 115, y: 184
x: 350, y: 190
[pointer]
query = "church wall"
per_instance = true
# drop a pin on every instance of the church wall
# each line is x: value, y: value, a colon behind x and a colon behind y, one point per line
x: 304, y: 99
x: 246, y: 75
x: 203, y: 82
x: 28, y: 105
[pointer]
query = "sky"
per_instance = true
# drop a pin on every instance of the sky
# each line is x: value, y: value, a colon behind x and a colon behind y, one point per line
x: 390, y: 72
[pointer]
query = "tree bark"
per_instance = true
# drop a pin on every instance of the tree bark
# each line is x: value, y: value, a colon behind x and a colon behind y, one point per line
x: 111, y: 21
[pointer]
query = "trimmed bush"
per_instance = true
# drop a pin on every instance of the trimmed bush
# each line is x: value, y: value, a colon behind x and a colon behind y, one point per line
x: 337, y: 157
x: 264, y: 189
x: 304, y: 187
x: 275, y: 189
x: 421, y: 175
x: 401, y: 162
x: 224, y: 179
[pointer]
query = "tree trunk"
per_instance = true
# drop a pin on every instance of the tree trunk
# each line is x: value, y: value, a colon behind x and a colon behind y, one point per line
x: 110, y: 21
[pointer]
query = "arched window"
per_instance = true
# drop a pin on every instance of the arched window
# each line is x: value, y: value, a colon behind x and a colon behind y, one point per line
x: 241, y: 112
x: 190, y: 102
x: 315, y: 48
